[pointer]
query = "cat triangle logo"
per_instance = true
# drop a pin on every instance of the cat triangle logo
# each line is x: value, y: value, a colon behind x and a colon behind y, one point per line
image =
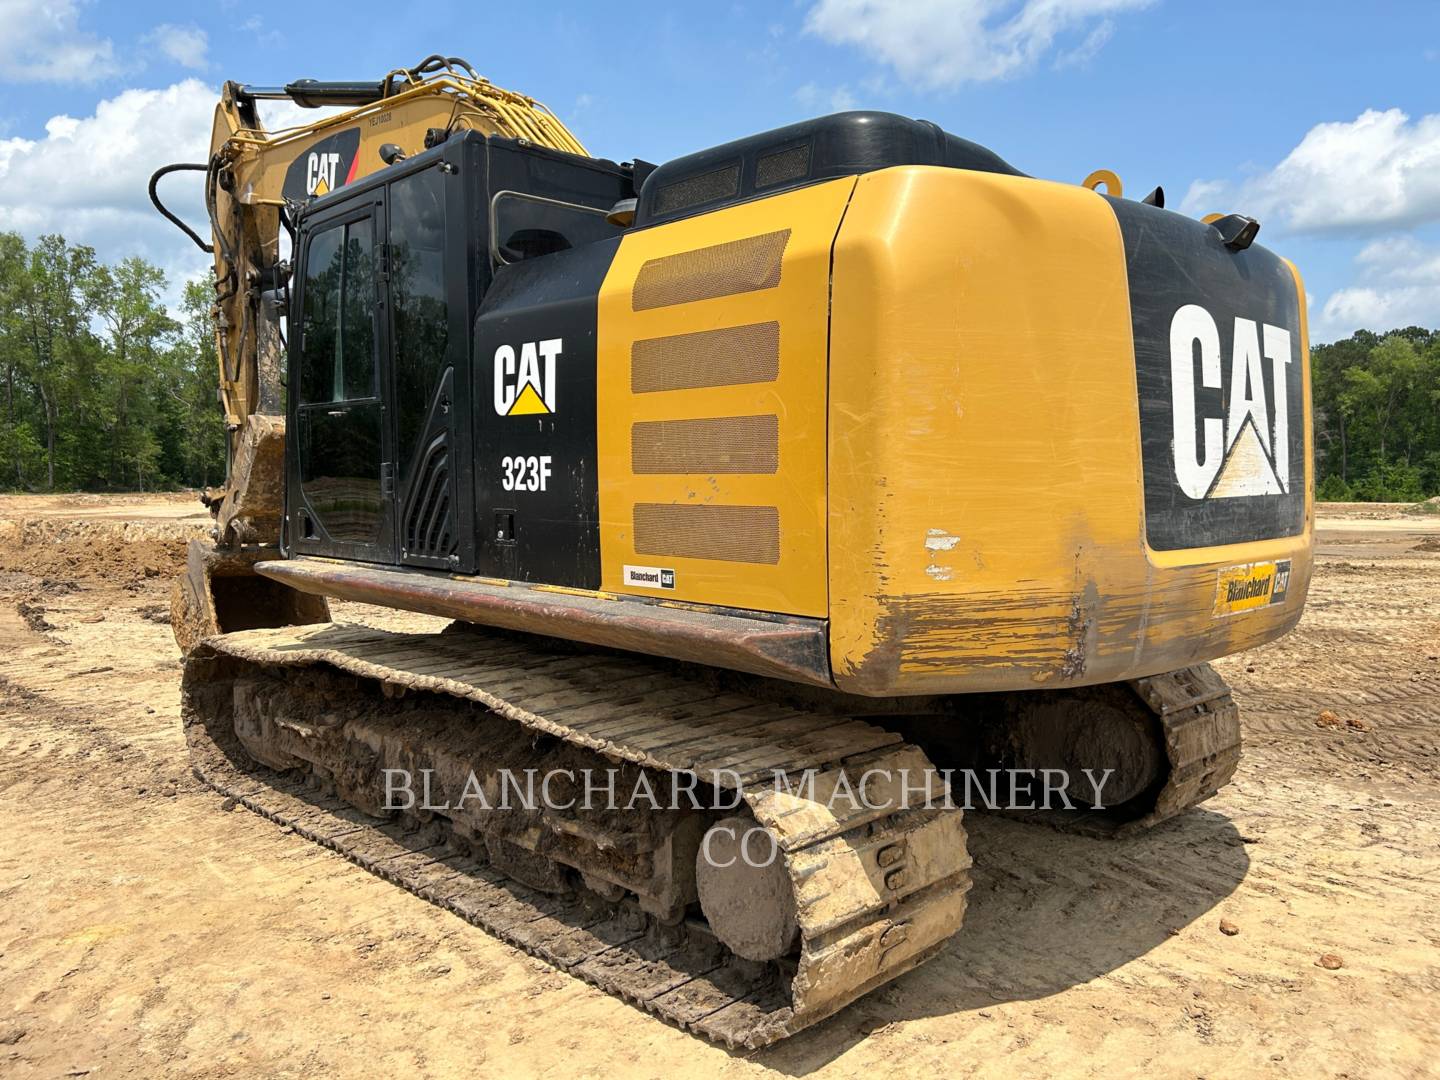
x: 528, y: 403
x: 525, y: 378
x: 1247, y: 469
x: 1231, y: 423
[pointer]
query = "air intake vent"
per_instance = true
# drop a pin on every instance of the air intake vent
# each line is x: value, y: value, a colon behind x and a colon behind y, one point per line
x: 427, y: 531
x: 694, y: 190
x: 739, y: 266
x: 783, y: 166
x: 725, y: 357
x: 723, y: 444
x: 749, y: 534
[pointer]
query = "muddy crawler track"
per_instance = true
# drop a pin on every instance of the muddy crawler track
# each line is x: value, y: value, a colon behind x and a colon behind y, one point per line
x: 876, y: 891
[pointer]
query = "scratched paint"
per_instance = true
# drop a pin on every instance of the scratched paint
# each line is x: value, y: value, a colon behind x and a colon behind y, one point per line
x: 1044, y: 470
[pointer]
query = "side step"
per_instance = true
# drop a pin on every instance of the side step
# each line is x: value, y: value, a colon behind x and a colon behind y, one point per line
x: 783, y: 647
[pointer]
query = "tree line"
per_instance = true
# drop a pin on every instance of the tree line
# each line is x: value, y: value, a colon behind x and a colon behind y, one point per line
x: 1377, y: 416
x: 105, y: 390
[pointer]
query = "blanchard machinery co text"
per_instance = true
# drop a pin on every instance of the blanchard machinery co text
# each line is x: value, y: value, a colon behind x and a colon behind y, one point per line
x: 884, y: 790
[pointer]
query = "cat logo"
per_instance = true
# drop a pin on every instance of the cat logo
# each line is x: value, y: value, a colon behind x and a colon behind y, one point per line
x: 330, y: 163
x: 526, y: 387
x: 1245, y: 452
x: 320, y: 172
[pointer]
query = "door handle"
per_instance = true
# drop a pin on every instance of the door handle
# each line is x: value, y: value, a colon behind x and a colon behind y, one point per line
x: 337, y: 412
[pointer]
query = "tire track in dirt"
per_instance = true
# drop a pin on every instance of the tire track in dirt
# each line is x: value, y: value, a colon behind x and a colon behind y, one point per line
x: 148, y: 934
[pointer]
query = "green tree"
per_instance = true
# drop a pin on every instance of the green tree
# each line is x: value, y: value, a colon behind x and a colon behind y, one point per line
x: 138, y: 335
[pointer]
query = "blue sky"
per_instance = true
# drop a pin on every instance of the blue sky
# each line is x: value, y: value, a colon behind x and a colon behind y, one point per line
x: 1321, y: 119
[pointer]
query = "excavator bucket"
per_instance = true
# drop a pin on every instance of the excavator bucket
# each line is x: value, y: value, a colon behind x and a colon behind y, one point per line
x: 220, y: 592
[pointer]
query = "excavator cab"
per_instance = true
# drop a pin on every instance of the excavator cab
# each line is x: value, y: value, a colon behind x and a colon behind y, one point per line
x: 385, y: 417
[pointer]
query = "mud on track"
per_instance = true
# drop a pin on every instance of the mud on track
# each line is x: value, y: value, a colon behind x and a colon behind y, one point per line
x: 146, y: 932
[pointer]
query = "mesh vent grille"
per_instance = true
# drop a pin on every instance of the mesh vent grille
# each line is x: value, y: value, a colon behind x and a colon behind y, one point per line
x: 719, y: 270
x: 733, y: 354
x: 427, y: 509
x: 749, y: 534
x: 722, y: 444
x: 783, y: 165
x: 694, y: 190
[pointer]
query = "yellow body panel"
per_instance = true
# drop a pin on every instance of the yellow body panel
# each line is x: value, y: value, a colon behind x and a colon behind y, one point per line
x: 986, y: 506
x: 713, y: 273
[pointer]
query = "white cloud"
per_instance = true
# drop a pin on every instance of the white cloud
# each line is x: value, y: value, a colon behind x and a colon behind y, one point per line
x: 279, y: 115
x: 87, y: 177
x: 41, y: 39
x: 1397, y: 284
x: 1380, y: 170
x: 940, y: 44
x: 185, y: 45
x: 1375, y: 176
x: 1087, y: 50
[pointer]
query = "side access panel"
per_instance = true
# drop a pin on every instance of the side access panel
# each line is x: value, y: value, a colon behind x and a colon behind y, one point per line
x: 712, y: 405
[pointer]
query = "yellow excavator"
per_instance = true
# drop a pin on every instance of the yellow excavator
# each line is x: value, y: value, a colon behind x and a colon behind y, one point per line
x: 843, y: 458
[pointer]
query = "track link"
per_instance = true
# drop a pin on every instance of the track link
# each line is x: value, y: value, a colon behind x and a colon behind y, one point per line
x: 876, y: 891
x: 1200, y: 726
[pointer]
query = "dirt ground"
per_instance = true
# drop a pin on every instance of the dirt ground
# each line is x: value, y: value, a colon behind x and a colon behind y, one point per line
x: 144, y: 931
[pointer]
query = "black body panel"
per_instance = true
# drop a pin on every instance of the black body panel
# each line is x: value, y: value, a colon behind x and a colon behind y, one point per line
x: 1221, y: 382
x: 840, y: 145
x: 536, y: 474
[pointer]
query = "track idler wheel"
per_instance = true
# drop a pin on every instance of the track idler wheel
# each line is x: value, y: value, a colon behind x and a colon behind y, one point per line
x: 745, y: 890
x: 1095, y: 729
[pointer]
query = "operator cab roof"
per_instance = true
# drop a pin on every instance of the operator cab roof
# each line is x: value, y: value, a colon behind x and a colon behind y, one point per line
x: 842, y: 144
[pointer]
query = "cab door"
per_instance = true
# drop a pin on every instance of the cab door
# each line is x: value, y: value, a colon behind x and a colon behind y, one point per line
x: 343, y: 502
x: 425, y: 288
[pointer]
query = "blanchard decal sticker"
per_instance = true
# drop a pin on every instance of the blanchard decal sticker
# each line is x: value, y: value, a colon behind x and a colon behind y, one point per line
x: 1251, y: 586
x: 649, y: 577
x: 1233, y: 453
x: 525, y: 383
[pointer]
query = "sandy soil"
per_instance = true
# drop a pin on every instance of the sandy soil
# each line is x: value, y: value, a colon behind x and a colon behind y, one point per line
x: 147, y: 932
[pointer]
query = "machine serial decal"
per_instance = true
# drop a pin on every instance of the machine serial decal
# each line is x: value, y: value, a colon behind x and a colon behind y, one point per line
x: 1251, y: 586
x: 525, y: 386
x: 649, y: 577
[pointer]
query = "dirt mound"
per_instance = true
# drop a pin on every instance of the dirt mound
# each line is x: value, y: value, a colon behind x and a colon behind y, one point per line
x: 119, y: 554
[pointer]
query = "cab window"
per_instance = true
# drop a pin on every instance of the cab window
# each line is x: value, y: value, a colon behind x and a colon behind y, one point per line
x: 337, y: 329
x: 525, y: 226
